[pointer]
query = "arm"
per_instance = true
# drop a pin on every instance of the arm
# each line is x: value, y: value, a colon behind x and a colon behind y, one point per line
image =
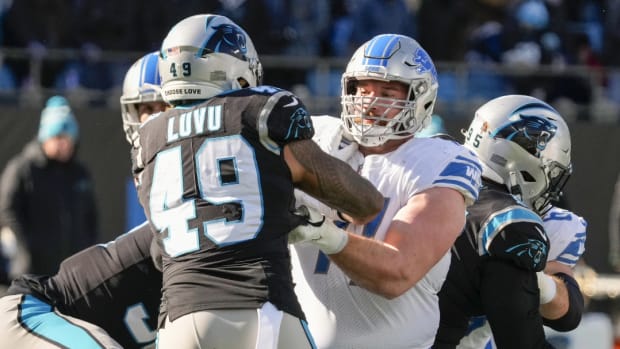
x: 558, y: 305
x: 420, y: 234
x: 563, y: 311
x: 332, y: 181
x: 510, y: 301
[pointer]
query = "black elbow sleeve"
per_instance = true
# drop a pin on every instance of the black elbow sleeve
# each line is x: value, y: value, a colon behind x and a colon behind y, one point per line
x: 571, y: 319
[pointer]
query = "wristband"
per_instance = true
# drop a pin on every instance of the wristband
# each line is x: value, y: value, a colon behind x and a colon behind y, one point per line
x: 547, y: 287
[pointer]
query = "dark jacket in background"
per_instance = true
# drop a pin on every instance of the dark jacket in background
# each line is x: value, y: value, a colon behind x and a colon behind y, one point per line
x: 50, y: 207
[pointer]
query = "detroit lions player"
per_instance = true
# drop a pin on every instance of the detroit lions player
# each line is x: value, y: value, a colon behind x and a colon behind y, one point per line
x: 379, y: 288
x: 141, y: 95
x: 216, y: 176
x: 105, y: 296
x: 496, y: 270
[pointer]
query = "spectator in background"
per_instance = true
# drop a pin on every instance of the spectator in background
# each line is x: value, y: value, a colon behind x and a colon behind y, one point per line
x: 47, y: 203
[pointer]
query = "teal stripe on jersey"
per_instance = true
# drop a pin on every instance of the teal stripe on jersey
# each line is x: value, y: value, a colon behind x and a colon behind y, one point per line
x: 514, y: 215
x: 39, y: 318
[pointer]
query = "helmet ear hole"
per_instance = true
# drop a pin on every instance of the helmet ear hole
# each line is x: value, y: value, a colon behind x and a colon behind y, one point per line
x: 243, y: 82
x: 527, y: 177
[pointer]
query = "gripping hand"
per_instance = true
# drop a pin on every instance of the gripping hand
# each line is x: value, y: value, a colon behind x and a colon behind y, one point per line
x: 319, y: 231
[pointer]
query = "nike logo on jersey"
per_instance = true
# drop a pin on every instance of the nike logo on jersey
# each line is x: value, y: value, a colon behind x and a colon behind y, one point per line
x: 293, y: 103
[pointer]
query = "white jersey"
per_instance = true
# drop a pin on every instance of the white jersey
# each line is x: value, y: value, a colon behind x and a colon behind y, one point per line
x: 567, y: 239
x: 343, y: 315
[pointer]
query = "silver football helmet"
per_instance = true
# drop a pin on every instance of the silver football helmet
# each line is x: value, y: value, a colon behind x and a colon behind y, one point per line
x: 204, y: 55
x: 523, y: 143
x: 141, y: 85
x: 388, y: 57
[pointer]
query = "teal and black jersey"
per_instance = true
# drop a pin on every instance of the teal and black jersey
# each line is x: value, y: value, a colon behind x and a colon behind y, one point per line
x: 493, y: 273
x: 502, y: 227
x: 114, y: 286
x: 219, y: 195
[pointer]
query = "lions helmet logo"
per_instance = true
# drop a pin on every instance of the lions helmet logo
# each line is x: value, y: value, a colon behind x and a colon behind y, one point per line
x: 424, y: 63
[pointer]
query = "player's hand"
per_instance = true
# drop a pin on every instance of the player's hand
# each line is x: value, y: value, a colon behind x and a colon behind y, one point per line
x: 547, y: 287
x: 319, y: 231
x: 346, y: 152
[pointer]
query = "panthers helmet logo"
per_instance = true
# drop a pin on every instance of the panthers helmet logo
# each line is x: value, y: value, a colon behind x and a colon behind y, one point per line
x: 228, y: 39
x: 531, y: 132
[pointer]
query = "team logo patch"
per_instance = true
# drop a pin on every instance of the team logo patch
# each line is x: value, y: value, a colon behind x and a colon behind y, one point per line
x: 300, y: 121
x: 534, y: 251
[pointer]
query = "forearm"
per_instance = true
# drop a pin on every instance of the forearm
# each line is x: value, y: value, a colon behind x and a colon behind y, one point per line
x: 335, y: 183
x: 558, y: 305
x: 510, y: 304
x: 564, y: 317
x: 376, y: 266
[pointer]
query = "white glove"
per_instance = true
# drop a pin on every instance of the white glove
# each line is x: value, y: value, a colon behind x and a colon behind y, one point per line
x: 346, y: 152
x: 319, y: 231
x: 547, y: 287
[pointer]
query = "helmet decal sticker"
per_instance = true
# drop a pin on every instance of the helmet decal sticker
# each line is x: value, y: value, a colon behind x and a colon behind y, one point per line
x: 227, y: 39
x: 531, y: 132
x: 424, y: 63
x: 380, y: 49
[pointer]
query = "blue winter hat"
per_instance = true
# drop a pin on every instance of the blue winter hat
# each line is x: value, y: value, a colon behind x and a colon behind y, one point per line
x: 56, y: 119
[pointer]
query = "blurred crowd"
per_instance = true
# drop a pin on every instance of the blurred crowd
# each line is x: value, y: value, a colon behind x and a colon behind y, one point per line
x: 524, y: 33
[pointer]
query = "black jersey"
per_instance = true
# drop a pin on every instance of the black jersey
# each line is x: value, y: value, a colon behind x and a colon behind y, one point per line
x: 216, y: 188
x: 503, y: 244
x: 114, y: 286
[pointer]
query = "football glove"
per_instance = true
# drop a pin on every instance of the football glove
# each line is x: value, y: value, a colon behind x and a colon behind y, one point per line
x: 319, y: 231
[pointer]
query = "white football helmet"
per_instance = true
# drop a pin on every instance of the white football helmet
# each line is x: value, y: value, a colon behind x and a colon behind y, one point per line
x: 389, y: 57
x: 523, y: 143
x: 141, y: 85
x: 204, y: 55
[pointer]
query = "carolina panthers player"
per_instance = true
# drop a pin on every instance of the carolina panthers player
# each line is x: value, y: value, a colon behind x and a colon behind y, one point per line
x: 108, y: 295
x: 216, y: 176
x: 564, y: 301
x: 379, y: 288
x: 496, y: 271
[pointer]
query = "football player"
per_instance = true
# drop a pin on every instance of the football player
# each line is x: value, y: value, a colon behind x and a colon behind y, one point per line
x: 108, y: 295
x: 562, y: 312
x: 379, y: 289
x: 498, y: 262
x: 216, y: 176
